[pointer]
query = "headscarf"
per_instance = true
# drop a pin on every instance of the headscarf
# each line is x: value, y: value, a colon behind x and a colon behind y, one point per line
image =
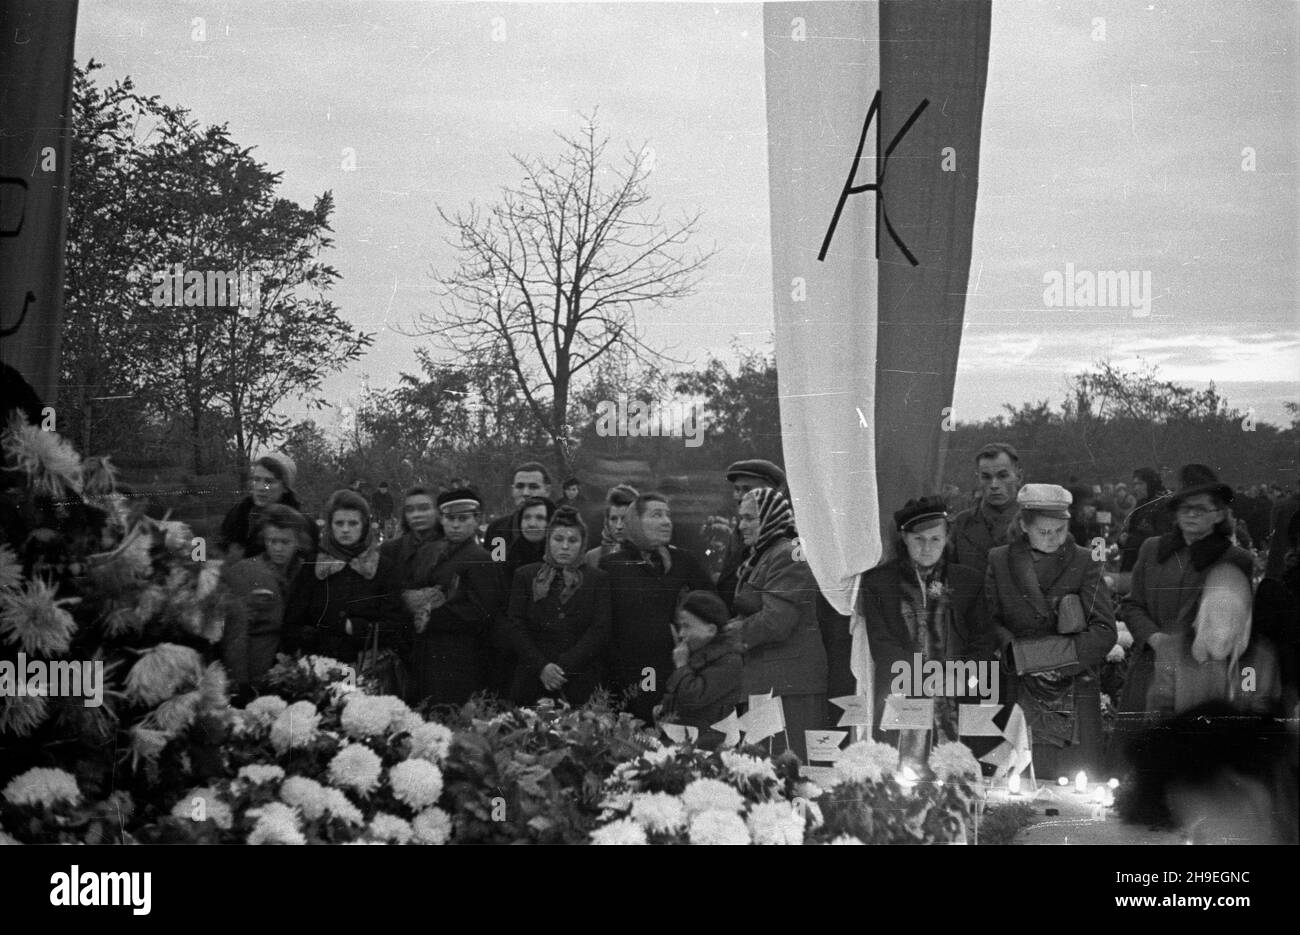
x: 638, y: 541
x: 775, y: 521
x: 565, y: 518
x: 363, y: 555
x: 519, y: 551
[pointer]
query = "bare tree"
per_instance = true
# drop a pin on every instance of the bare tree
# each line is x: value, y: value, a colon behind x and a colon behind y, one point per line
x: 550, y: 277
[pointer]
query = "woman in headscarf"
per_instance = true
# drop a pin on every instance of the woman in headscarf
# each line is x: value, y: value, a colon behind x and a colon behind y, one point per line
x: 613, y: 530
x: 527, y: 535
x: 270, y: 481
x: 776, y: 618
x: 647, y: 579
x: 339, y: 599
x: 559, y: 617
x: 1189, y: 610
x: 918, y: 603
x: 1051, y: 609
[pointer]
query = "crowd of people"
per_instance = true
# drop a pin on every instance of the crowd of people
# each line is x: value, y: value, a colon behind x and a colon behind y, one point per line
x: 1167, y: 615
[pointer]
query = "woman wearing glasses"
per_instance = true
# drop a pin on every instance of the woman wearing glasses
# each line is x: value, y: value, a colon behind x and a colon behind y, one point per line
x: 1189, y: 609
x: 270, y: 481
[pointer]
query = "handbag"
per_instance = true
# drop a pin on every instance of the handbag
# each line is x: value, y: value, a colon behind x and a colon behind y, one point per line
x: 384, y: 668
x: 1043, y: 653
x: 1070, y: 617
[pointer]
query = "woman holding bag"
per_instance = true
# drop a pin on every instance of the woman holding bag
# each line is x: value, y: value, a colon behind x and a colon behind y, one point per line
x: 1054, y: 619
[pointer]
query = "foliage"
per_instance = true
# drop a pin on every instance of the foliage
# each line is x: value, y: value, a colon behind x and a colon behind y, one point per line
x: 151, y: 189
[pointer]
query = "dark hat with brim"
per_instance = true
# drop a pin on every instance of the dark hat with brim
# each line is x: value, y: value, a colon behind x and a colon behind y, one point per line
x: 1196, y: 479
x: 757, y: 467
x: 920, y: 512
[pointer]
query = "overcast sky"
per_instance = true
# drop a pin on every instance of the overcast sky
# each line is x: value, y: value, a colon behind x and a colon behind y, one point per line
x: 1120, y: 154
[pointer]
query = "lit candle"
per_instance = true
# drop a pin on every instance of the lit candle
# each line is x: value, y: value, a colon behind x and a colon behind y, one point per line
x: 1081, y: 782
x: 907, y: 778
x: 1013, y: 784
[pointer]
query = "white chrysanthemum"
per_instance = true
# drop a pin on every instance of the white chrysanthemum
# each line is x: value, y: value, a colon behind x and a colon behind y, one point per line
x: 371, y: 715
x: 204, y: 804
x: 42, y: 786
x: 321, y: 666
x: 954, y: 761
x: 22, y: 715
x: 258, y: 773
x: 265, y: 709
x: 11, y: 570
x: 135, y: 554
x: 307, y: 795
x: 848, y: 839
x: 340, y: 806
x: 147, y: 742
x: 176, y: 713
x: 431, y: 741
x: 162, y: 671
x: 866, y: 761
x: 432, y: 826
x: 31, y: 617
x: 52, y: 466
x: 8, y: 839
x: 718, y: 827
x: 295, y: 727
x: 416, y: 783
x: 622, y: 831
x: 386, y: 827
x: 407, y: 723
x: 209, y: 577
x: 151, y: 600
x: 277, y: 823
x: 747, y: 767
x: 775, y: 823
x: 176, y: 535
x: 705, y: 795
x: 658, y: 811
x: 356, y: 767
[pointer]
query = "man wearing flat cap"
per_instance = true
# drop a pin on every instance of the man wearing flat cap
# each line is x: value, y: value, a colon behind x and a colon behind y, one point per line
x: 921, y: 602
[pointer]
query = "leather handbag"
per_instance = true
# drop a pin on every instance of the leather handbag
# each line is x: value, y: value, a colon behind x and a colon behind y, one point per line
x: 1070, y: 617
x: 1043, y: 653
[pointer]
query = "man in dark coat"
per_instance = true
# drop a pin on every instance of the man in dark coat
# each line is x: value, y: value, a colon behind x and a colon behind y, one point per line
x: 529, y: 479
x: 452, y: 645
x: 899, y: 596
x: 984, y: 526
x: 647, y: 579
x: 1283, y: 511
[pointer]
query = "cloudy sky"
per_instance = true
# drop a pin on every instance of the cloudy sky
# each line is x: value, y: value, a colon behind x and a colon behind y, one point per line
x: 1119, y: 153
